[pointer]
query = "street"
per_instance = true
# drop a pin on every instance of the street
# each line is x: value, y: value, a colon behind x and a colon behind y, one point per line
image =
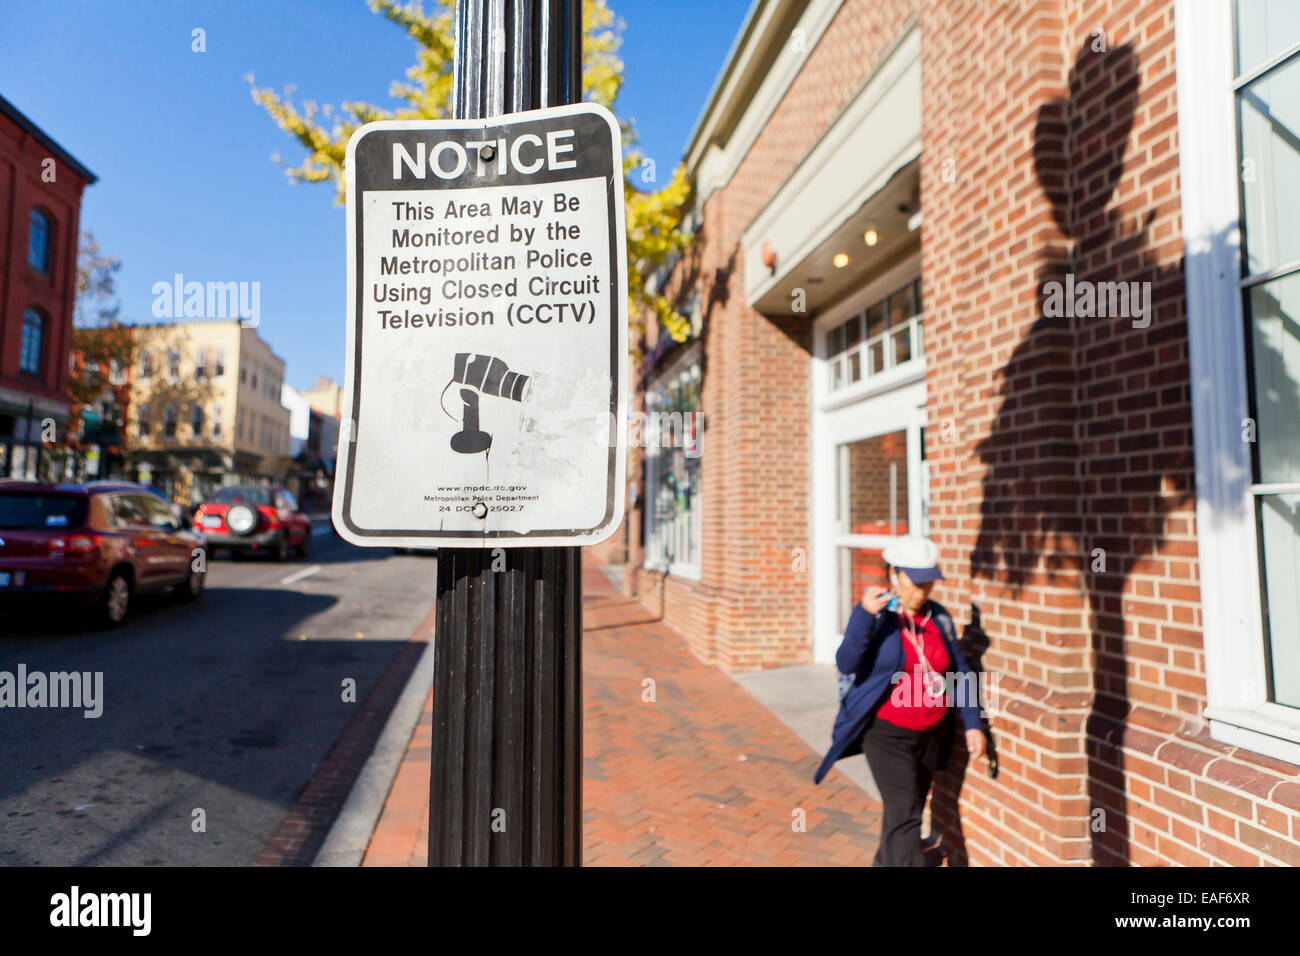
x: 215, y: 714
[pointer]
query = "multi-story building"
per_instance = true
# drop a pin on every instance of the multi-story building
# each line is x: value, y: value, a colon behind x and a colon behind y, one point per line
x: 325, y: 396
x: 40, y: 209
x: 205, y: 408
x: 1021, y: 276
x: 314, y: 448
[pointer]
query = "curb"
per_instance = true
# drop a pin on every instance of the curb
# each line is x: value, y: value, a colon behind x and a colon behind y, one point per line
x: 296, y: 842
x: 349, y: 837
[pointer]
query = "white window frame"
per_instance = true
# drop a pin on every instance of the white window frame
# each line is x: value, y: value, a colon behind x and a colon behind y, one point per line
x: 894, y: 400
x: 691, y: 570
x: 892, y: 377
x: 1237, y: 708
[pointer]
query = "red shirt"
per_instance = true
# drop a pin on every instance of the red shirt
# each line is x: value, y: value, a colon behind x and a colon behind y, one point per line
x: 908, y: 705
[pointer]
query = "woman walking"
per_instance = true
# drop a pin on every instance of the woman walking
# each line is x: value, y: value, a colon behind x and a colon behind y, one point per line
x: 901, y: 651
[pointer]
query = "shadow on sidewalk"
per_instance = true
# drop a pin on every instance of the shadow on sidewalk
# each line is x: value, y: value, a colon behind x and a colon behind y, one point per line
x: 681, y: 765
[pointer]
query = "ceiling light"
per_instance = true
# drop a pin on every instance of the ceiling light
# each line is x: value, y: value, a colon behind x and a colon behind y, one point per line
x: 841, y: 260
x: 871, y: 237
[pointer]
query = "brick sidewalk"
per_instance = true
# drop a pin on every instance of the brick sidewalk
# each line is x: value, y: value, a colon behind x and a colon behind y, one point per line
x: 704, y: 775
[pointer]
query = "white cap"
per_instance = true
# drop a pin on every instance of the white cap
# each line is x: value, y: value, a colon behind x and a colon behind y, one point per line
x: 917, y: 555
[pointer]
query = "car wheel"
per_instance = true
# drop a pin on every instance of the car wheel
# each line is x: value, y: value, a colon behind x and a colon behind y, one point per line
x: 192, y: 587
x: 116, y: 601
x: 279, y: 550
x: 304, y: 549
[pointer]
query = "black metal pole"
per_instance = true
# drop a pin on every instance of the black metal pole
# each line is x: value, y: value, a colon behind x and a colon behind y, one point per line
x: 506, y: 781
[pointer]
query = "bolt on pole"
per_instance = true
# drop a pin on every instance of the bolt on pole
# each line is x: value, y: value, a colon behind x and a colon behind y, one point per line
x: 506, y: 779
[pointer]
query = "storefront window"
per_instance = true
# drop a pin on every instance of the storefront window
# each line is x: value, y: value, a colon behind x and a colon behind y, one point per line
x: 1268, y: 103
x: 672, y: 437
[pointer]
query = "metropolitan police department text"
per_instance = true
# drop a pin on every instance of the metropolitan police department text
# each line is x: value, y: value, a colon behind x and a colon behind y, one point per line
x: 415, y: 228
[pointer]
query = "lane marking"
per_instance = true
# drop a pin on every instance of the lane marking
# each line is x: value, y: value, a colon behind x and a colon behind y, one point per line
x: 299, y: 575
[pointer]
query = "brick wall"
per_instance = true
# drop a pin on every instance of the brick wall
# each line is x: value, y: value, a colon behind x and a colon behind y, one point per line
x: 751, y: 608
x: 1060, y: 449
x: 1057, y: 444
x: 24, y: 186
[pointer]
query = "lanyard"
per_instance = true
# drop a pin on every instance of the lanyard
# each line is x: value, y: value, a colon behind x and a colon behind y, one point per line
x: 909, y: 629
x: 931, y: 679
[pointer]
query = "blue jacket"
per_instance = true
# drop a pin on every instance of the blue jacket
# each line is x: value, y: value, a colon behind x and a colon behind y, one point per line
x: 872, y: 652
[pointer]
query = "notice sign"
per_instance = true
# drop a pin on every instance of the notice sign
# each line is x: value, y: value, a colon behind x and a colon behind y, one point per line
x: 487, y: 332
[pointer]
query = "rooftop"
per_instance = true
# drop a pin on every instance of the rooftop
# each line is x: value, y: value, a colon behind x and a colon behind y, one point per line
x: 59, y: 153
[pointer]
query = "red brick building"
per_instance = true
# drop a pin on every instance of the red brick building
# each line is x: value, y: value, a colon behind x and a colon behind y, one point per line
x: 1010, y: 273
x: 40, y: 210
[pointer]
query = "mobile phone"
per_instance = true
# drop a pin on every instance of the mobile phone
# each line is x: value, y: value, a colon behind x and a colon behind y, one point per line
x: 893, y: 602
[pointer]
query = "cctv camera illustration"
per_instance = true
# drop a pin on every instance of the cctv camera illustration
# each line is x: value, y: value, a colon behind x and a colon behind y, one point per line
x: 482, y: 375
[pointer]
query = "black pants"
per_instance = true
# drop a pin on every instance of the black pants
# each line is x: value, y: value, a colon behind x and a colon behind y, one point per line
x: 902, y: 763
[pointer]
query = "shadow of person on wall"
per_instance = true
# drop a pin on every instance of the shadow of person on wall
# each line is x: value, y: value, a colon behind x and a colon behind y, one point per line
x: 946, y: 795
x: 1089, y: 451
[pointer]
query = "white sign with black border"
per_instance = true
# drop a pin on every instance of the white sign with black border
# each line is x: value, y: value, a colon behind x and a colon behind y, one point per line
x: 486, y: 382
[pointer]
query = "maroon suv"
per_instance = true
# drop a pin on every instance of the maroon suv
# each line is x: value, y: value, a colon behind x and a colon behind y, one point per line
x: 101, y: 543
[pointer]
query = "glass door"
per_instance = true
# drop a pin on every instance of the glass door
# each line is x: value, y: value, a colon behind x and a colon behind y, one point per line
x: 881, y: 494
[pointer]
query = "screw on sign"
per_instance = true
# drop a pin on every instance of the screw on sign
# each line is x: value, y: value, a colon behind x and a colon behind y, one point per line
x: 487, y: 332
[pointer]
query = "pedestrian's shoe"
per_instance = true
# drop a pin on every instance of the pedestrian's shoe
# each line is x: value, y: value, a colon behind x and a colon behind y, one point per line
x: 932, y: 849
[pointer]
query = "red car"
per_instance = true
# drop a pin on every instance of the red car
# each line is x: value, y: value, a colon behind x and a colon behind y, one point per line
x: 101, y: 543
x: 247, y: 518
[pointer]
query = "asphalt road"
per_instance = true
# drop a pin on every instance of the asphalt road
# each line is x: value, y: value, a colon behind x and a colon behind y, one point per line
x: 226, y: 706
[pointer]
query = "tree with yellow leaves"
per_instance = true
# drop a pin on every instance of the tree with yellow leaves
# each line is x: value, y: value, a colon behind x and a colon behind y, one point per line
x: 653, y: 218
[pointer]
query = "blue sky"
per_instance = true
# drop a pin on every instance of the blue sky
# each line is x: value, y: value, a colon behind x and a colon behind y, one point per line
x: 183, y: 154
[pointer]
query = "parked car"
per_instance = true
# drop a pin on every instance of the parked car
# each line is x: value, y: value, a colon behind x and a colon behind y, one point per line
x: 101, y: 543
x: 251, y: 518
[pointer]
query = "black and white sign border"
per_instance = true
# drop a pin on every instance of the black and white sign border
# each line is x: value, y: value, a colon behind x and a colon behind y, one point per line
x: 489, y: 128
